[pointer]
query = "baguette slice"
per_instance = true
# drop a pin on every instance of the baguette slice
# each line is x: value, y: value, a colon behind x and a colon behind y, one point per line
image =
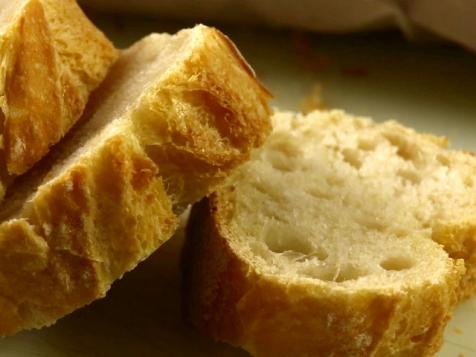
x: 321, y: 244
x: 52, y: 58
x: 174, y: 115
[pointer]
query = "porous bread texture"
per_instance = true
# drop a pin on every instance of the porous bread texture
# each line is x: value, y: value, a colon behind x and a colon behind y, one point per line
x: 174, y: 115
x: 52, y: 58
x: 321, y: 243
x: 407, y: 182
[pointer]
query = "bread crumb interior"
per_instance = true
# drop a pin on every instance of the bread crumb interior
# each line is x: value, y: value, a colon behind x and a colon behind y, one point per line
x: 346, y: 200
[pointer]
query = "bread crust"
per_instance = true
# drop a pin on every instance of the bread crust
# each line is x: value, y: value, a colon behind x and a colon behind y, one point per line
x: 229, y: 300
x: 218, y: 81
x: 115, y: 202
x: 80, y: 233
x: 459, y: 240
x: 53, y: 57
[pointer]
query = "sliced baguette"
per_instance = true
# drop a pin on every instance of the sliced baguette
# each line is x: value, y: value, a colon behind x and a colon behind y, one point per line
x: 52, y: 58
x: 174, y: 115
x: 321, y: 244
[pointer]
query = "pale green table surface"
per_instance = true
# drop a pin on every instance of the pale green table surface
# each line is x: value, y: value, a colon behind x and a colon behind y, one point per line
x: 432, y: 88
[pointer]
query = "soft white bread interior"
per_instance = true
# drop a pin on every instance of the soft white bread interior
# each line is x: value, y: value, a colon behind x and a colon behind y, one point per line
x: 52, y: 58
x: 321, y: 244
x: 174, y: 115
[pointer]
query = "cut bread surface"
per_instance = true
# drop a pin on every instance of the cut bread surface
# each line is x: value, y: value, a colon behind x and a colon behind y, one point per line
x: 332, y: 184
x: 322, y: 243
x: 53, y: 57
x: 100, y: 202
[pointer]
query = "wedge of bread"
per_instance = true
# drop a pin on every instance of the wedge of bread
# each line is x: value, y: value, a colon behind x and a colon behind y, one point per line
x: 322, y: 244
x: 174, y: 115
x: 52, y: 58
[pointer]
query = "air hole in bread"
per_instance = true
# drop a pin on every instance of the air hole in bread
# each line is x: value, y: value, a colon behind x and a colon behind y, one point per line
x: 367, y: 144
x: 334, y: 180
x: 282, y: 149
x: 280, y: 241
x: 443, y: 160
x: 410, y: 176
x: 352, y: 157
x: 320, y: 253
x: 349, y: 272
x: 261, y: 187
x: 284, y: 145
x: 468, y: 182
x: 400, y: 231
x: 281, y: 162
x: 317, y: 191
x: 397, y: 263
x: 372, y: 223
x: 406, y: 150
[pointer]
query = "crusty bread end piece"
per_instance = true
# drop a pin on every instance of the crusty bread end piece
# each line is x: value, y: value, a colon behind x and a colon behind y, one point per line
x: 174, y: 115
x: 322, y: 245
x: 52, y: 58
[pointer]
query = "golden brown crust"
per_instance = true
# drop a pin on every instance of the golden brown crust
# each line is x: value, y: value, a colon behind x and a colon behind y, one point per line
x: 80, y: 233
x: 53, y: 57
x: 111, y: 203
x: 459, y: 240
x: 216, y: 109
x: 228, y: 299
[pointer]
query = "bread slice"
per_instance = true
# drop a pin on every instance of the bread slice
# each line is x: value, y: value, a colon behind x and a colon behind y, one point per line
x: 52, y: 58
x: 321, y: 244
x: 174, y: 115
